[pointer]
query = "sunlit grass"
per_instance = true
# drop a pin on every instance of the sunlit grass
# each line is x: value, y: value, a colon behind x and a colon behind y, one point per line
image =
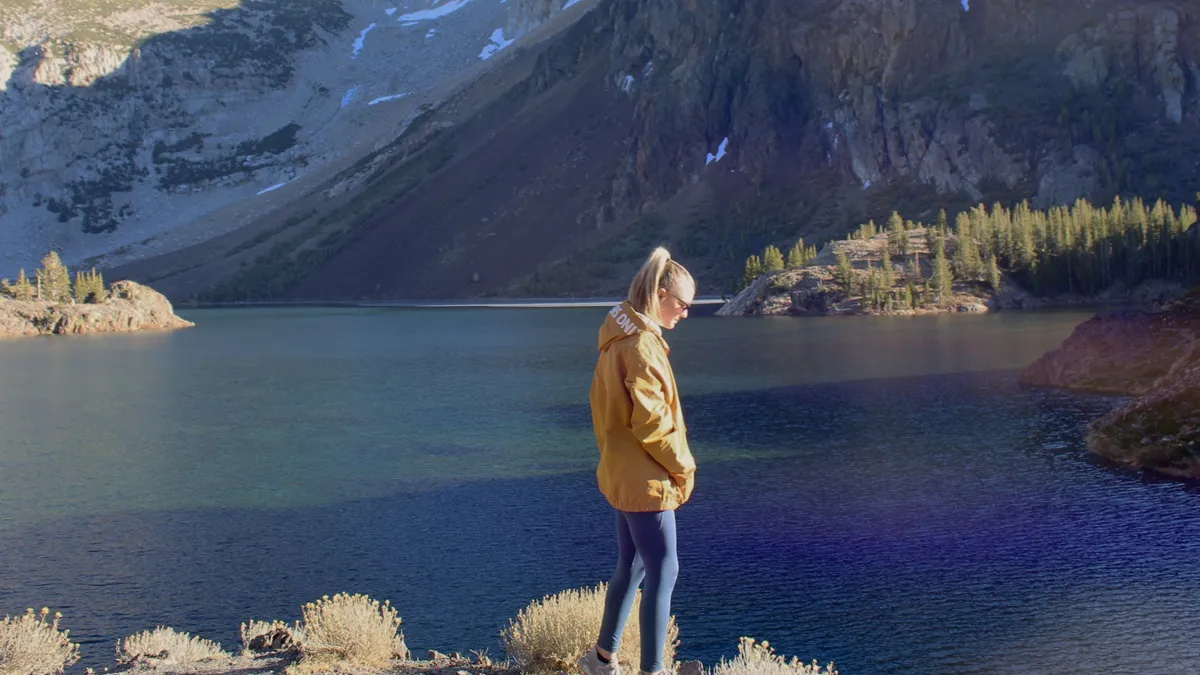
x: 551, y: 634
x: 759, y: 658
x: 349, y: 631
x: 166, y: 646
x: 32, y: 644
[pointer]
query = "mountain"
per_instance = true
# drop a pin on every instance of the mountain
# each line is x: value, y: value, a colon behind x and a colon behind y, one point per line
x: 138, y: 127
x: 606, y: 127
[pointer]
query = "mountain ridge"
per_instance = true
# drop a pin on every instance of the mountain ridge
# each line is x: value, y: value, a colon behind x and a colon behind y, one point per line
x: 816, y: 117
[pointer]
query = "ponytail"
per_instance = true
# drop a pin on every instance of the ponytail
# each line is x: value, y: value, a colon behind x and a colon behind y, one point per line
x: 659, y: 271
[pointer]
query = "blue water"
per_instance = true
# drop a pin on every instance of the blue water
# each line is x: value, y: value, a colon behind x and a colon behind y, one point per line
x: 876, y: 492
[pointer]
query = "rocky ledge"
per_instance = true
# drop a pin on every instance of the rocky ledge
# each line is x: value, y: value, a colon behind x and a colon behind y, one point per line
x: 818, y: 288
x: 127, y: 307
x: 1153, y: 357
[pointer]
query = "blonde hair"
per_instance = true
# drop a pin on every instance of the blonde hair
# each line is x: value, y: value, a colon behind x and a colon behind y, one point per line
x: 659, y: 271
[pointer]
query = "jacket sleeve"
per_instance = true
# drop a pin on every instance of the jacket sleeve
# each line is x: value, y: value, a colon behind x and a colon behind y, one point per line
x: 654, y: 424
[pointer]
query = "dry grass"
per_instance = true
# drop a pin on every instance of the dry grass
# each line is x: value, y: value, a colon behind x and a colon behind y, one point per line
x: 759, y: 658
x: 349, y: 631
x: 32, y: 644
x: 551, y: 634
x: 166, y: 646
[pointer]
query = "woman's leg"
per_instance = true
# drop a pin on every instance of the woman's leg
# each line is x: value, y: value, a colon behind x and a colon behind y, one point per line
x: 622, y: 588
x: 654, y: 537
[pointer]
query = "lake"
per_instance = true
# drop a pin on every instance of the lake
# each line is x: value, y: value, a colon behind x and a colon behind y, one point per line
x: 873, y: 491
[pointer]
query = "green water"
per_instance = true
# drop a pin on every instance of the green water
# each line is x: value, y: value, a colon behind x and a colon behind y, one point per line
x: 297, y: 407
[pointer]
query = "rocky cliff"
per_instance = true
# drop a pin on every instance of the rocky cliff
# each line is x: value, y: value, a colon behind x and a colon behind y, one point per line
x: 1153, y: 357
x: 134, y: 128
x: 127, y: 307
x: 714, y: 127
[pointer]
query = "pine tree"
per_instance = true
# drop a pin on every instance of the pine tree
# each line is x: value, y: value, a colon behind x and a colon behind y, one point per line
x: 753, y: 270
x: 772, y: 259
x: 89, y: 287
x: 23, y: 290
x: 913, y: 270
x: 943, y: 277
x: 993, y: 272
x: 53, y: 279
x: 897, y: 236
x: 889, y: 275
x: 845, y: 271
x: 966, y: 257
x: 934, y: 231
x: 797, y: 255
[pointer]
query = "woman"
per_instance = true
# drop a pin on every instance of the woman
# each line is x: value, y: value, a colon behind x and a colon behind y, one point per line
x: 646, y: 469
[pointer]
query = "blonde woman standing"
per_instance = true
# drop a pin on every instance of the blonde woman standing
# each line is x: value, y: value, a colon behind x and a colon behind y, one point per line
x: 646, y: 470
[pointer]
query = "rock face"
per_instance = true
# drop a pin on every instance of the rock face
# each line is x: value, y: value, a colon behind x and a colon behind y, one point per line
x: 1154, y: 357
x: 891, y: 91
x: 129, y: 307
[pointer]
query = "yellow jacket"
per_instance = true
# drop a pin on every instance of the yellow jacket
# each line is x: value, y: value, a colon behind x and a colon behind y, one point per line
x: 645, y: 463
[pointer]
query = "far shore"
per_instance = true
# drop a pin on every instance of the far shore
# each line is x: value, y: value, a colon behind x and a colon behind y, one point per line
x: 704, y: 306
x: 482, y: 303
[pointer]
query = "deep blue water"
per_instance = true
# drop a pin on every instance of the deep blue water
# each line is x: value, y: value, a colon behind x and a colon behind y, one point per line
x: 874, y: 492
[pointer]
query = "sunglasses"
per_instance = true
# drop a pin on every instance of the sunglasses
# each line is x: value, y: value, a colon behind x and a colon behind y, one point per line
x: 686, y: 306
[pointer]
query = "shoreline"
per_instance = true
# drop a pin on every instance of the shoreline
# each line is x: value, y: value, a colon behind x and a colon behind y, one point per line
x: 701, y: 307
x: 578, y: 303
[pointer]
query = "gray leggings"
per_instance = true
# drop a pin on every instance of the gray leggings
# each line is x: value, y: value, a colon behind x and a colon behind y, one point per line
x: 645, y: 550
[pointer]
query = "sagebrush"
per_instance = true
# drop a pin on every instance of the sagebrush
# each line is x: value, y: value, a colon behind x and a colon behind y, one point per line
x: 551, y: 634
x: 32, y: 644
x: 759, y: 658
x: 351, y: 629
x: 167, y: 646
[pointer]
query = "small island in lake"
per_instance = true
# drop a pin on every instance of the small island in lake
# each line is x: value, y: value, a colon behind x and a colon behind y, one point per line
x: 51, y: 304
x: 985, y: 260
x: 1153, y: 357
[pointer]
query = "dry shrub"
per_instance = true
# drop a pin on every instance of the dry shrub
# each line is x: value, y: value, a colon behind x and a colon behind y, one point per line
x: 551, y: 634
x: 350, y: 629
x: 166, y: 646
x: 759, y: 658
x: 267, y: 636
x: 32, y: 645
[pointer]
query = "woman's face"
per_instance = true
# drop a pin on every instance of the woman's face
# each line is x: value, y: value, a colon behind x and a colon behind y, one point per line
x: 674, y: 305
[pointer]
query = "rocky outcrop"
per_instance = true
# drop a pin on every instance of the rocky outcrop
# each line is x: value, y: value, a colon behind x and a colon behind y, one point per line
x: 128, y: 307
x: 1154, y: 357
x: 816, y: 289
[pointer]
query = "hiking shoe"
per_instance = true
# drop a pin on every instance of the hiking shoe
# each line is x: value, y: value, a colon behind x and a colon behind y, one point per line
x: 592, y: 665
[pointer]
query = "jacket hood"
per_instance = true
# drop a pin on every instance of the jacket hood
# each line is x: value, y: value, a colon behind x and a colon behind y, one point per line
x: 624, y: 321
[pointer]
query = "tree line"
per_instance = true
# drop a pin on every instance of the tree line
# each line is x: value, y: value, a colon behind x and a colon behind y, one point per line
x: 1080, y: 248
x: 772, y: 260
x: 52, y: 283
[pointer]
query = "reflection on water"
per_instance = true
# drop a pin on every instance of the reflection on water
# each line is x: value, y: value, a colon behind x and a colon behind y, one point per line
x: 873, y: 491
